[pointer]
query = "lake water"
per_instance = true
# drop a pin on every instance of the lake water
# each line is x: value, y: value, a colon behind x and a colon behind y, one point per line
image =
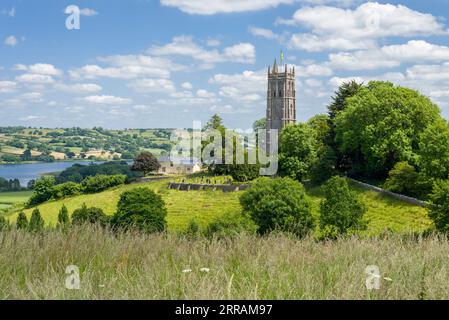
x: 30, y: 171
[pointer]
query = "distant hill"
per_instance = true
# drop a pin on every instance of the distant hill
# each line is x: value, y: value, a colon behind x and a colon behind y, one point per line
x: 20, y: 144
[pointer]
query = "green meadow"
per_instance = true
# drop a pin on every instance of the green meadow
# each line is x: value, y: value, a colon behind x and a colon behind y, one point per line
x: 384, y: 213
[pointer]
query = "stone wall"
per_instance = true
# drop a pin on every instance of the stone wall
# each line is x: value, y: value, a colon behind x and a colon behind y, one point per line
x: 212, y: 187
x: 392, y: 194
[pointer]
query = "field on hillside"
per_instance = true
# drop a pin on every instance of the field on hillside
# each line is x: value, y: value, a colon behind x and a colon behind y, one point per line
x: 7, y: 199
x: 384, y: 212
x: 137, y: 266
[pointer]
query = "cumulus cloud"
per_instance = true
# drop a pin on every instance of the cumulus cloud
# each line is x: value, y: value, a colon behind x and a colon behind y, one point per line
x: 39, y: 68
x: 345, y: 29
x: 11, y: 41
x: 127, y: 67
x: 185, y: 46
x: 79, y: 88
x: 223, y: 6
x: 30, y: 78
x: 105, y: 99
x: 7, y: 86
x: 389, y: 56
x: 152, y: 85
x: 88, y: 12
x: 187, y: 85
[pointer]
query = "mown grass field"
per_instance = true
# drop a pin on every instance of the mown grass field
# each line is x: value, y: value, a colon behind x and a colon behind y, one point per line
x: 9, y: 199
x: 139, y: 266
x: 384, y: 213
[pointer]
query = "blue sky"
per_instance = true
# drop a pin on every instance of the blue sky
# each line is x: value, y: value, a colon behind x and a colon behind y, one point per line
x: 166, y: 63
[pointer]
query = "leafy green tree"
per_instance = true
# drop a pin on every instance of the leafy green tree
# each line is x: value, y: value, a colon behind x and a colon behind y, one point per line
x: 278, y: 204
x: 341, y: 210
x: 260, y: 124
x: 140, y: 208
x: 345, y: 91
x: 402, y: 179
x: 36, y: 221
x: 102, y: 182
x: 296, y: 151
x: 325, y: 165
x: 43, y: 190
x: 321, y: 128
x: 439, y: 205
x: 22, y: 221
x: 381, y: 125
x: 92, y: 215
x: 434, y: 150
x: 63, y: 217
x: 146, y: 162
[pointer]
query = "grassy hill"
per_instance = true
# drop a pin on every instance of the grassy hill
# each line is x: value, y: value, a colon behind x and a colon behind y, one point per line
x: 384, y: 212
x: 78, y: 143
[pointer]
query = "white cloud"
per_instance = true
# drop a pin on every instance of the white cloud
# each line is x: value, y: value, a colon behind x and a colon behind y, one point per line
x: 223, y: 6
x: 35, y: 78
x: 87, y: 12
x: 389, y: 56
x: 104, y: 99
x: 128, y: 67
x: 79, y: 87
x: 152, y: 85
x: 264, y: 33
x: 7, y: 86
x: 314, y: 43
x: 204, y: 94
x: 185, y: 46
x: 187, y: 85
x: 213, y: 42
x: 345, y: 29
x: 11, y: 41
x: 31, y: 118
x: 39, y: 68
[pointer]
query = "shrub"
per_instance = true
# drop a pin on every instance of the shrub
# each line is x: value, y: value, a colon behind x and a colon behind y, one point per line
x: 36, y: 221
x: 278, y: 204
x: 141, y: 208
x: 102, y: 182
x: 193, y: 228
x: 402, y: 179
x: 230, y: 225
x: 63, y: 216
x: 439, y: 208
x: 4, y: 224
x: 244, y: 172
x: 67, y: 189
x: 43, y: 190
x: 340, y: 208
x: 22, y: 221
x: 85, y: 215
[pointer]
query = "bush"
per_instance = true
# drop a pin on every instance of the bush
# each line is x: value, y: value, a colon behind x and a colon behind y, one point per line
x: 230, y: 225
x: 22, y: 221
x: 85, y: 215
x: 439, y: 208
x: 244, y: 172
x: 4, y: 224
x: 340, y: 209
x: 63, y: 217
x: 402, y: 179
x: 278, y: 204
x: 67, y: 189
x: 36, y: 221
x: 141, y: 208
x: 101, y: 182
x: 43, y: 190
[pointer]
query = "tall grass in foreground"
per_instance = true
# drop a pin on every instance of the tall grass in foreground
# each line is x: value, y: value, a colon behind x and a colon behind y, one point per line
x: 139, y: 266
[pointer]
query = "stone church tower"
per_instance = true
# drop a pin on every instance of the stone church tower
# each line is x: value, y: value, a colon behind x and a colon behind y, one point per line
x: 281, y: 99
